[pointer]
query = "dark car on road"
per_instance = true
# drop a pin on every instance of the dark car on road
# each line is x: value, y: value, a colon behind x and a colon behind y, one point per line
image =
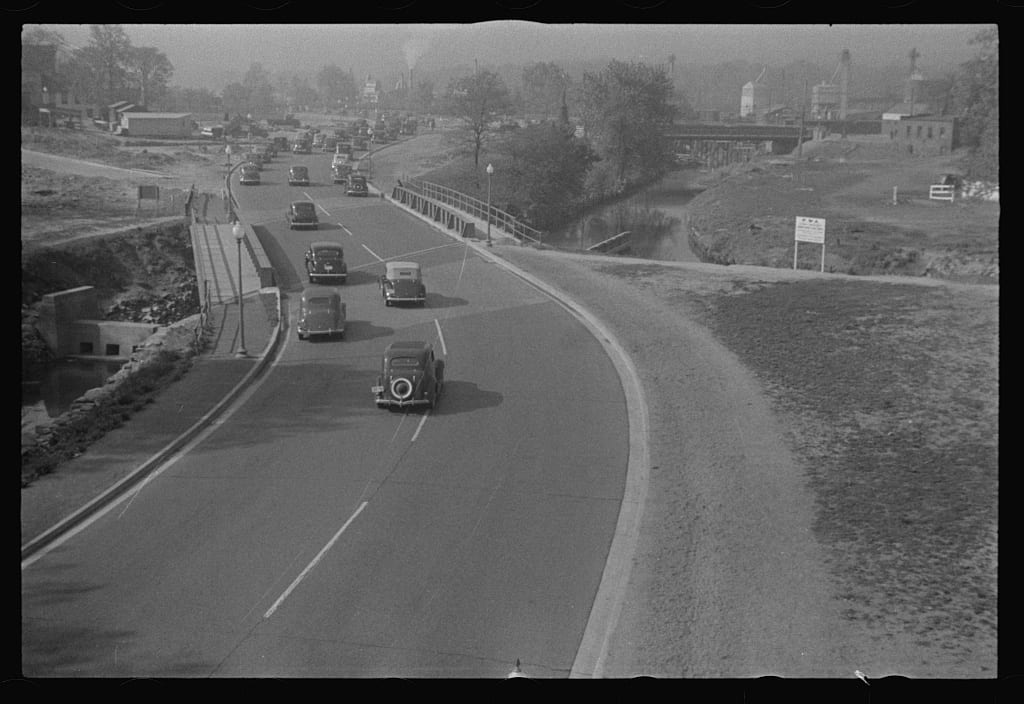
x: 340, y: 172
x: 321, y: 313
x: 355, y: 185
x: 410, y: 376
x: 298, y: 176
x: 402, y: 282
x: 302, y: 213
x: 249, y: 175
x: 326, y: 261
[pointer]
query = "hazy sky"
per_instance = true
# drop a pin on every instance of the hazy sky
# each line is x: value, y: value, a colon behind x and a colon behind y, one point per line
x: 212, y: 55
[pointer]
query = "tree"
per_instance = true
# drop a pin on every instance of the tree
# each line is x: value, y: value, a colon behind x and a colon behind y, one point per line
x: 976, y: 96
x: 259, y: 89
x: 334, y: 84
x: 150, y: 71
x: 476, y: 101
x: 235, y: 98
x: 423, y: 95
x: 105, y: 61
x: 626, y: 110
x: 549, y: 167
x: 544, y: 84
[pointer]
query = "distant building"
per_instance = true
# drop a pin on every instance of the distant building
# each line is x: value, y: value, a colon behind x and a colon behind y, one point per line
x: 754, y: 99
x: 371, y: 91
x: 156, y: 124
x: 923, y: 135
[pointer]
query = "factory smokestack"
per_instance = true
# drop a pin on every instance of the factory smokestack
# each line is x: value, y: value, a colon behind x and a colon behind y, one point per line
x: 844, y: 82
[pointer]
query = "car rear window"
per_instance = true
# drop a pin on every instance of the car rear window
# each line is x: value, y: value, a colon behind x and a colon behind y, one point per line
x: 405, y: 362
x: 319, y: 303
x: 329, y: 253
x: 299, y: 171
x: 303, y: 207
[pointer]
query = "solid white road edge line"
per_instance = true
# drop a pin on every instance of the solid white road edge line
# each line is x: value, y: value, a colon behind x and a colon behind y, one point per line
x: 312, y: 564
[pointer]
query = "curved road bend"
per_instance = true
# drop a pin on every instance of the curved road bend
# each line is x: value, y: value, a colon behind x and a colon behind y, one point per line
x: 312, y: 534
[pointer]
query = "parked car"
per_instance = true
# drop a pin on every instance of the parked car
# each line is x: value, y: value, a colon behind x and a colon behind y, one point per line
x: 302, y: 213
x: 326, y: 260
x: 402, y: 282
x: 356, y: 185
x: 340, y: 160
x: 298, y: 176
x: 321, y: 313
x: 330, y: 143
x: 410, y: 376
x: 302, y: 147
x: 281, y: 143
x: 249, y: 175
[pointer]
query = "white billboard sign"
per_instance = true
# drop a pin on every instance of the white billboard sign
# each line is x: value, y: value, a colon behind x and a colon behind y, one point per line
x: 809, y: 230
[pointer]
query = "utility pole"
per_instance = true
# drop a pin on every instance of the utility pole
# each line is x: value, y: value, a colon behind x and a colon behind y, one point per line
x: 800, y: 139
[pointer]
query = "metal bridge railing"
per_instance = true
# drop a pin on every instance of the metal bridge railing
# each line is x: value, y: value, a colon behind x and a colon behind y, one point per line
x: 472, y: 206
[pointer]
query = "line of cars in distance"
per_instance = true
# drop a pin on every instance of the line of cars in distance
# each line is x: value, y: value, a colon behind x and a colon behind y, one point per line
x: 411, y: 374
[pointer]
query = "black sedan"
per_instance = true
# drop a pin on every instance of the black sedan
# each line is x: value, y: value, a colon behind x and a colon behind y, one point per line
x: 302, y: 213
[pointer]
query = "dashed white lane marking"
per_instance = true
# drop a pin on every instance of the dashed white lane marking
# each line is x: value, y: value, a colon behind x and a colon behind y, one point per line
x: 440, y: 336
x: 373, y: 253
x: 311, y: 565
x: 419, y: 427
x: 346, y: 230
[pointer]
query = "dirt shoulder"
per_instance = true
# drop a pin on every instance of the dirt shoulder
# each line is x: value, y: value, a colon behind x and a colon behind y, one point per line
x: 809, y: 511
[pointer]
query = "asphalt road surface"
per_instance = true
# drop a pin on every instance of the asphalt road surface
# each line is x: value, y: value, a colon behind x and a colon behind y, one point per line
x: 313, y: 534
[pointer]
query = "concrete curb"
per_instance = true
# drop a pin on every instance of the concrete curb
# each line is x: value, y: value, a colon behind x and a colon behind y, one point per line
x: 95, y: 505
x: 604, y: 616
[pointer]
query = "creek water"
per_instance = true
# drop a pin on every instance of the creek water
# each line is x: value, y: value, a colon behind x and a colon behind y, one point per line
x: 50, y: 391
x: 671, y: 195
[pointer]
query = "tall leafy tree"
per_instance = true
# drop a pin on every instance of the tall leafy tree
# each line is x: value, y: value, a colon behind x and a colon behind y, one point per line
x: 976, y: 96
x: 423, y: 95
x: 105, y: 60
x: 544, y: 84
x: 259, y: 89
x: 626, y: 110
x: 235, y: 98
x: 334, y: 84
x: 150, y: 71
x: 549, y: 167
x: 476, y: 101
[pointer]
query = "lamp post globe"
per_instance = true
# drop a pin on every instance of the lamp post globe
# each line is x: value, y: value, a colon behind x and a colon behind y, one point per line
x: 490, y: 170
x: 239, y: 234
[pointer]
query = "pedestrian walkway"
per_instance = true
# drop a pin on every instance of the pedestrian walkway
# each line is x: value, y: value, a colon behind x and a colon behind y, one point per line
x: 55, y: 503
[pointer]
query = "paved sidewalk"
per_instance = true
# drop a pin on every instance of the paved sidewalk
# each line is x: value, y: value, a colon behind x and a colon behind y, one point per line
x: 154, y: 433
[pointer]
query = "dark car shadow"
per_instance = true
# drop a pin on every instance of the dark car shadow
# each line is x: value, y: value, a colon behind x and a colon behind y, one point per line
x: 465, y: 397
x: 356, y: 330
x: 436, y: 300
x: 326, y: 226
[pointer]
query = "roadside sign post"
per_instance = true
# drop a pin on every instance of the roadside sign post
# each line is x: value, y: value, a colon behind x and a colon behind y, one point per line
x: 809, y: 230
x: 147, y: 193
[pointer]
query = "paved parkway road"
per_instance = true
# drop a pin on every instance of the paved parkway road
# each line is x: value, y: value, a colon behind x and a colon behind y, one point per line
x: 312, y: 534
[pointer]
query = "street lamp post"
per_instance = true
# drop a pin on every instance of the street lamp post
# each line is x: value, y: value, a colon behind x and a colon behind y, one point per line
x: 490, y: 170
x: 239, y: 233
